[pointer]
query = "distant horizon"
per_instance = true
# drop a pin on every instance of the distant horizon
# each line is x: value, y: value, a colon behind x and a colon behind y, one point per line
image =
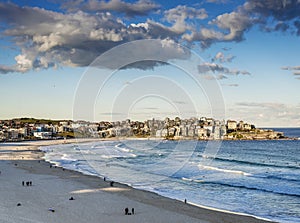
x: 63, y: 119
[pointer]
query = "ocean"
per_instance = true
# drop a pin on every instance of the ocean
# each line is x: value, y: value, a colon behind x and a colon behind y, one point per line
x: 258, y: 178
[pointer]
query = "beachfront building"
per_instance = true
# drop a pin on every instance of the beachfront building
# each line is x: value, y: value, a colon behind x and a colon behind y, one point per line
x: 171, y: 131
x: 216, y: 133
x: 123, y: 131
x: 244, y: 126
x: 202, y: 133
x: 184, y: 130
x: 191, y: 131
x: 223, y: 130
x: 231, y: 125
x: 158, y: 133
x: 13, y: 133
x: 164, y: 133
x: 2, y: 136
x: 42, y: 135
x: 193, y: 128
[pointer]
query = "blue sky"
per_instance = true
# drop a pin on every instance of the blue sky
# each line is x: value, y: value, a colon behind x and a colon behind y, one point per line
x: 251, y: 49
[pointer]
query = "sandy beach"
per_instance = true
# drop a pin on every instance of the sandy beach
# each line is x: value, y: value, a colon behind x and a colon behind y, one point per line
x: 48, y: 199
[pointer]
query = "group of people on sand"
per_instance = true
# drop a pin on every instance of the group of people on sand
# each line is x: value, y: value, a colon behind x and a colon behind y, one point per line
x: 111, y: 182
x: 127, y: 211
x: 27, y: 183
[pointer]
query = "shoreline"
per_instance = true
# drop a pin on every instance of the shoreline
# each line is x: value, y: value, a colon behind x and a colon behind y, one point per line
x: 180, y: 138
x: 31, y: 160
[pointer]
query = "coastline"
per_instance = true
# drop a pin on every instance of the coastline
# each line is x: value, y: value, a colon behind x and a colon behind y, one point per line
x: 25, y: 158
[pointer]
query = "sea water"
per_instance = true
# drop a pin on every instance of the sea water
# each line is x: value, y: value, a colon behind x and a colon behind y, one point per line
x: 259, y: 178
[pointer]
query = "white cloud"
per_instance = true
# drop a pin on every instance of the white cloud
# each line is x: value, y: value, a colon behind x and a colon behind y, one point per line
x: 216, y: 68
x: 140, y: 25
x: 291, y: 68
x: 295, y: 70
x: 270, y: 105
x: 222, y: 58
x: 231, y: 26
x: 204, y: 35
x: 182, y: 12
x: 178, y: 18
x: 214, y: 77
x: 231, y: 85
x: 268, y: 113
x: 47, y: 38
x: 50, y: 39
x: 235, y: 23
x: 296, y: 73
x: 138, y: 8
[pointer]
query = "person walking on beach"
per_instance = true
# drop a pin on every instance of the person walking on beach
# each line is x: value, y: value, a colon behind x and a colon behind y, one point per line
x: 51, y: 209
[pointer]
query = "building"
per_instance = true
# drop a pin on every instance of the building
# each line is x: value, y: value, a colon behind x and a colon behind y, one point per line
x: 247, y: 126
x: 42, y: 135
x: 231, y: 125
x: 191, y: 132
x: 184, y: 131
x: 202, y: 133
x: 216, y: 133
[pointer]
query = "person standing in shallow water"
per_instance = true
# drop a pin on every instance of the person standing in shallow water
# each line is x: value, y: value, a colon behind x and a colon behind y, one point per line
x: 132, y: 210
x: 126, y: 211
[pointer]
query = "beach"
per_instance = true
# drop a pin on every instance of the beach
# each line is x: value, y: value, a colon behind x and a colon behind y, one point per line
x: 94, y: 200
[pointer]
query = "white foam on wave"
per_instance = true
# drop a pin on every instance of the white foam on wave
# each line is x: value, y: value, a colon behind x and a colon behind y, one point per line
x: 65, y: 156
x: 207, y: 157
x: 187, y: 179
x: 118, y: 146
x: 125, y: 150
x: 87, y: 152
x: 110, y: 156
x: 224, y: 170
x: 230, y: 212
x: 192, y: 180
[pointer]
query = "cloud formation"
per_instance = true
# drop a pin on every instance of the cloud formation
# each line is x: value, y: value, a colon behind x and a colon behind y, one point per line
x: 139, y: 8
x: 232, y: 26
x: 270, y: 105
x: 214, y: 77
x: 217, y: 68
x: 269, y: 113
x: 222, y: 58
x: 49, y: 39
x: 231, y: 85
x: 178, y: 19
x: 294, y: 69
x: 178, y: 16
x: 85, y: 29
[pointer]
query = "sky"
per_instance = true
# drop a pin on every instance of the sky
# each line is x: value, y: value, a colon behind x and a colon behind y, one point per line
x: 144, y: 59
